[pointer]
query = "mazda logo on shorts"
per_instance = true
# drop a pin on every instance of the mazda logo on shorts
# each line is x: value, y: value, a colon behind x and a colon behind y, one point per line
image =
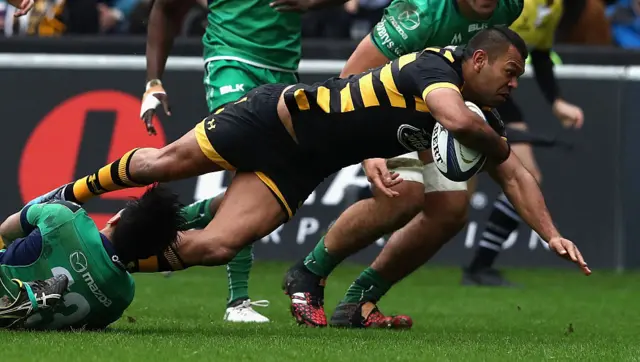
x: 78, y: 262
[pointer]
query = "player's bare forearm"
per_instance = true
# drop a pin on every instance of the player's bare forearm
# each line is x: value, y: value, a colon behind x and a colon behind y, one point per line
x: 447, y: 106
x: 165, y: 19
x: 524, y: 193
x: 11, y: 228
x: 365, y: 57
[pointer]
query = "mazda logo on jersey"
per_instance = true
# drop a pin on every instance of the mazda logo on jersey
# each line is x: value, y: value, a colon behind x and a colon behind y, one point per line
x: 412, y: 138
x: 78, y: 262
x: 408, y: 16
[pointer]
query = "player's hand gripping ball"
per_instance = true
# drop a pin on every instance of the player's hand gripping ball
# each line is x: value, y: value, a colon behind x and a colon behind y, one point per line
x: 455, y: 161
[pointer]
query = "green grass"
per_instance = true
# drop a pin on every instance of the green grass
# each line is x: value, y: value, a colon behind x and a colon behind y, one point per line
x: 179, y: 319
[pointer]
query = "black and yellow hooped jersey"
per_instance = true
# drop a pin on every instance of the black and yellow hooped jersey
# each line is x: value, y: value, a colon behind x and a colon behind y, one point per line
x: 378, y: 113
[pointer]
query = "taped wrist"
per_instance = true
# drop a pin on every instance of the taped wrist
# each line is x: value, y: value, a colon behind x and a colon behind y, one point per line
x: 152, y: 83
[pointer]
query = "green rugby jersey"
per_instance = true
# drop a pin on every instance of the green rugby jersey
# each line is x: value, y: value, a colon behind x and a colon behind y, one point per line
x: 412, y: 25
x: 250, y: 31
x: 99, y: 289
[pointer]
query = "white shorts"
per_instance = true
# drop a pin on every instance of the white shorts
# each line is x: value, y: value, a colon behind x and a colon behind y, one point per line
x: 428, y: 175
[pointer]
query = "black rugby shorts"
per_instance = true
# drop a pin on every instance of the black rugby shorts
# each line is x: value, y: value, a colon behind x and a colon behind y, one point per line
x: 248, y: 136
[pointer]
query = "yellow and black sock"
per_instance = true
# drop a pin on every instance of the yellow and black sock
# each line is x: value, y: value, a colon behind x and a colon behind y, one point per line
x: 112, y: 177
x: 168, y: 260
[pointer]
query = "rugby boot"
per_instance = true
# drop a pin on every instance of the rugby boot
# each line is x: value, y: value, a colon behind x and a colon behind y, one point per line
x: 486, y: 277
x: 367, y: 315
x: 306, y: 291
x: 54, y: 195
x: 34, y: 296
x: 242, y: 311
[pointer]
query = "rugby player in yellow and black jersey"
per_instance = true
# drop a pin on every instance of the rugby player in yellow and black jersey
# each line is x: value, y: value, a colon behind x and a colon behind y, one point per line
x: 283, y: 140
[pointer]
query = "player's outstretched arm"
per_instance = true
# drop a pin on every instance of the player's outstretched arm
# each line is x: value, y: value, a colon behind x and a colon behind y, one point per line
x: 165, y: 20
x: 448, y: 108
x: 569, y: 114
x: 523, y: 192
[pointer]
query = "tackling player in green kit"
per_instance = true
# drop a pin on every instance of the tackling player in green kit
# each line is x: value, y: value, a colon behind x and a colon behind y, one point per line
x: 59, y: 239
x: 246, y: 44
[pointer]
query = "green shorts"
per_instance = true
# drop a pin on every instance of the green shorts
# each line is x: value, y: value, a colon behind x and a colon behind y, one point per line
x: 228, y: 80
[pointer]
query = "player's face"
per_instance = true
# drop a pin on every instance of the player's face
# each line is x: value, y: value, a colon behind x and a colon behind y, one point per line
x: 496, y: 79
x: 484, y: 8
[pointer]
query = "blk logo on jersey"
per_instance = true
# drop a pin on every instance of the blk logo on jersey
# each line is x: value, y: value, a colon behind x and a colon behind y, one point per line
x: 477, y: 27
x: 231, y: 89
x: 457, y: 39
x: 412, y: 138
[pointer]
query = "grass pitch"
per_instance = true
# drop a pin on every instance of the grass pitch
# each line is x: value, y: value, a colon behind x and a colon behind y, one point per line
x: 558, y: 315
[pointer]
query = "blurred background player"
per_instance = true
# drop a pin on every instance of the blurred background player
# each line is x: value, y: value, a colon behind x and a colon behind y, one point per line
x: 246, y: 44
x: 59, y: 238
x: 537, y: 26
x: 406, y: 26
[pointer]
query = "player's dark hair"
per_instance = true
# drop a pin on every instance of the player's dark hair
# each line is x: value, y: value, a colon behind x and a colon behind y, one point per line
x: 148, y: 225
x: 495, y: 41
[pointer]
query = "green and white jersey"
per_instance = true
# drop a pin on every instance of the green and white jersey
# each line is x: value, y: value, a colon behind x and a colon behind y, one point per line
x: 412, y: 25
x: 65, y: 240
x: 252, y: 32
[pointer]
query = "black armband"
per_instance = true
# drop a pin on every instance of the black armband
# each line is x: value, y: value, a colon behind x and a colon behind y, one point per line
x: 543, y: 68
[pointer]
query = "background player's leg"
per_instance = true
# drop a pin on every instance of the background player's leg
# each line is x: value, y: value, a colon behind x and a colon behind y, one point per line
x: 359, y: 226
x: 362, y: 224
x: 503, y: 220
x: 443, y: 215
x: 242, y: 78
x: 248, y: 212
x: 178, y: 160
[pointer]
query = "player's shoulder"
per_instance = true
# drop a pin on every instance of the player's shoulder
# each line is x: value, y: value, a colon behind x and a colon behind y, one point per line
x: 441, y: 62
x: 56, y: 208
x: 64, y: 205
x: 444, y: 56
x: 414, y: 14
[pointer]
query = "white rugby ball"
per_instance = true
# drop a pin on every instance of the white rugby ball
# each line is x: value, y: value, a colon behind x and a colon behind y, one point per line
x: 455, y: 161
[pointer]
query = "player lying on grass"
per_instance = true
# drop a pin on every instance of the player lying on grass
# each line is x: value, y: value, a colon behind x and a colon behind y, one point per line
x: 59, y: 238
x: 283, y: 141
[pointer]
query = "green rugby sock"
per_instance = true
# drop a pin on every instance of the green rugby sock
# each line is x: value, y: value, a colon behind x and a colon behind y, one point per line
x: 320, y: 262
x: 238, y: 274
x: 369, y: 286
x: 197, y: 215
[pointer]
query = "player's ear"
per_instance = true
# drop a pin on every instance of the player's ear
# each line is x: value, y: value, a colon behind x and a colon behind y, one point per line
x: 480, y: 59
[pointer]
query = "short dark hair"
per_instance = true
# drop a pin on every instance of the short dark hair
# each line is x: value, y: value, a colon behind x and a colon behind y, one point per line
x: 496, y: 40
x: 148, y: 225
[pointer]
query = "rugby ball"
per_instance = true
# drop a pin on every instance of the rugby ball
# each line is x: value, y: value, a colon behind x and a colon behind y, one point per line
x: 455, y: 161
